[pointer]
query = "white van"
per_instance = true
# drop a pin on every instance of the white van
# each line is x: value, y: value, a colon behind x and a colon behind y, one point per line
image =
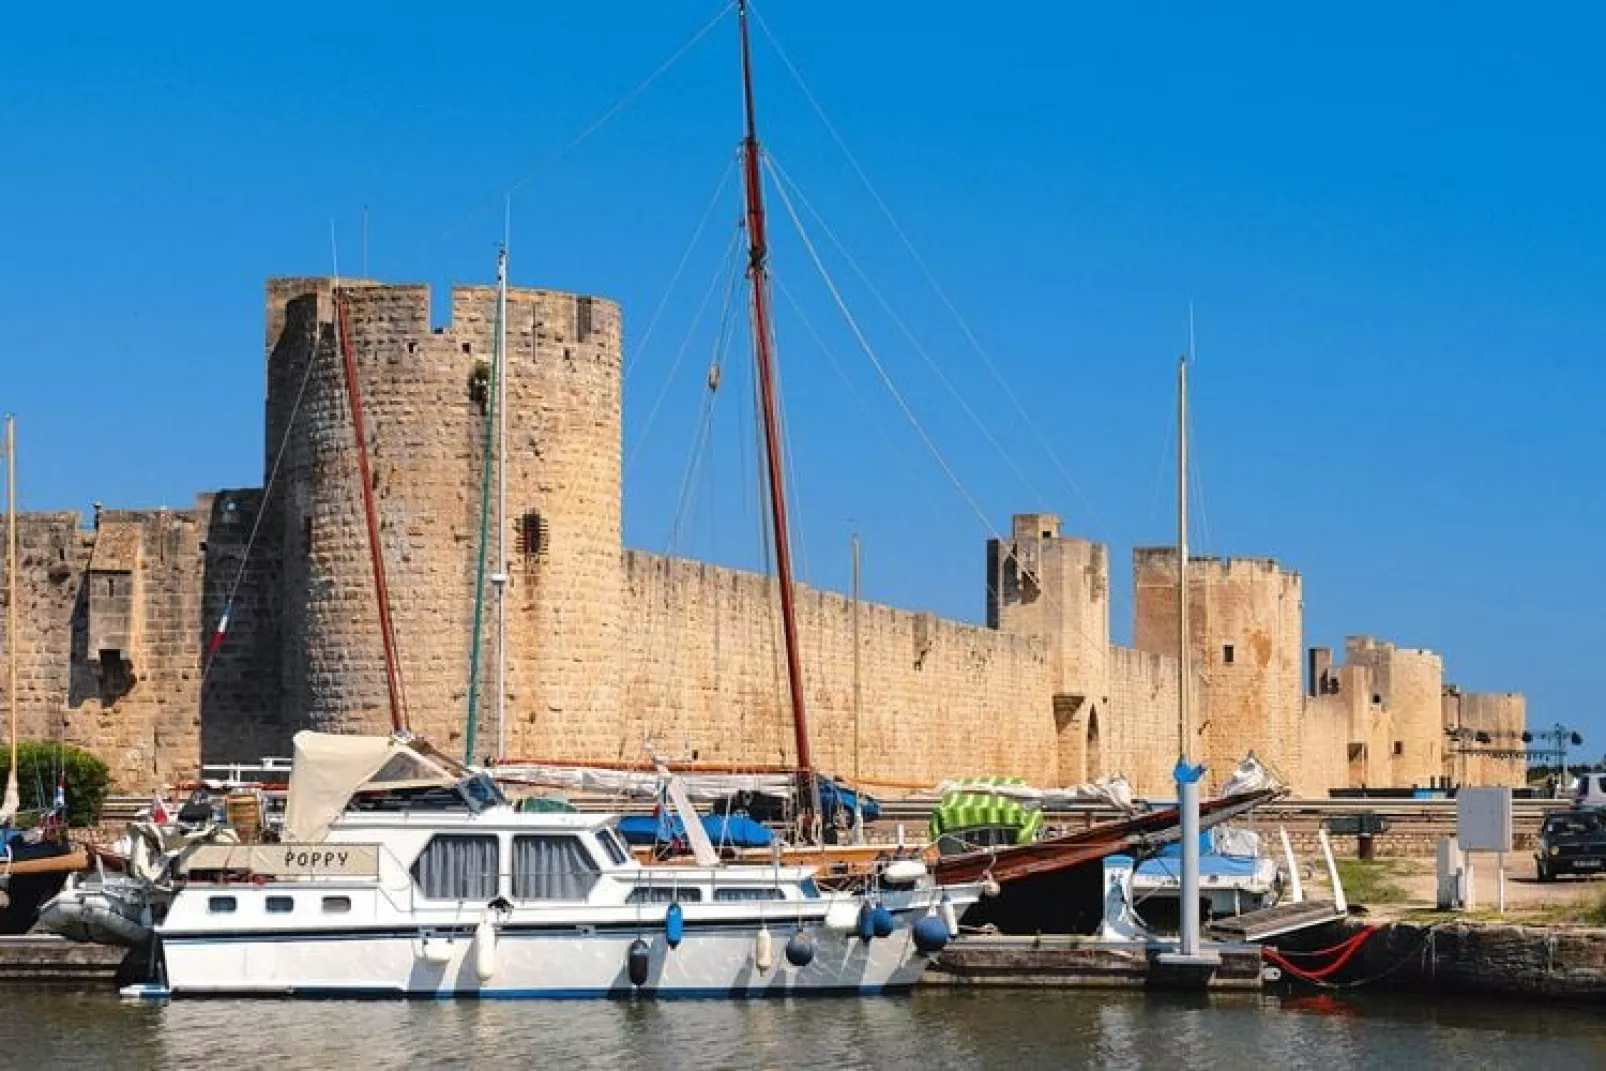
x: 1590, y: 790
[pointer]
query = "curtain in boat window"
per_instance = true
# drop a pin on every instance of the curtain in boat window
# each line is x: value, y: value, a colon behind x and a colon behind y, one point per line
x: 457, y: 868
x: 552, y: 868
x: 665, y: 894
x: 748, y: 894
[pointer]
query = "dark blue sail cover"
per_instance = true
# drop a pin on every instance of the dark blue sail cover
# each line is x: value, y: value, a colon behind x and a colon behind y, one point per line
x: 734, y: 830
x: 834, y: 794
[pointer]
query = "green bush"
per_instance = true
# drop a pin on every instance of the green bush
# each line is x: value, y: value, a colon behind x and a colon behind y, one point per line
x: 38, y: 764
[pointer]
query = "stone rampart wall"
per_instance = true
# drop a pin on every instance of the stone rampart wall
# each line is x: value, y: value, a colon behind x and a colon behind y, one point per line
x: 702, y: 669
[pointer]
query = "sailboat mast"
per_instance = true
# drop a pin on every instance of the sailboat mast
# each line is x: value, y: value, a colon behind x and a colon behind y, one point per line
x: 858, y: 710
x: 398, y: 711
x: 1187, y: 774
x: 10, y: 804
x: 758, y: 279
x: 499, y: 579
x: 1182, y: 559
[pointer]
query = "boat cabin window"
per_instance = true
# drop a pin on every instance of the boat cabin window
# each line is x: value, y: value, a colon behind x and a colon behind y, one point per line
x: 221, y: 905
x: 664, y: 894
x: 336, y: 905
x: 612, y: 848
x: 552, y: 868
x: 748, y: 894
x: 810, y: 890
x: 280, y: 905
x: 456, y: 867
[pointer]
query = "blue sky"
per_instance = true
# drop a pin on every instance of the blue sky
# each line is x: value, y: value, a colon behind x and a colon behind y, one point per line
x: 1388, y: 220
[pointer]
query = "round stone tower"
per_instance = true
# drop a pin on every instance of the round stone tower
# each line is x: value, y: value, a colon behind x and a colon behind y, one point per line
x: 424, y: 402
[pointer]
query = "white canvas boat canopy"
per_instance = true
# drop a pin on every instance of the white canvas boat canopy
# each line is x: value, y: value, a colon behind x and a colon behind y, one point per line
x: 330, y: 769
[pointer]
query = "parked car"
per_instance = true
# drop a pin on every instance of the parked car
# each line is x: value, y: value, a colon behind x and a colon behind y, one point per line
x: 1571, y: 842
x: 1589, y: 790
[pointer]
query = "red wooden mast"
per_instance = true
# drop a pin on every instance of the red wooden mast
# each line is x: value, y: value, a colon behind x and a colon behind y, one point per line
x: 758, y: 277
x: 398, y: 708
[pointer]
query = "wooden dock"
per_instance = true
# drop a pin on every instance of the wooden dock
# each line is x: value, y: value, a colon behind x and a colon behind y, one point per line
x: 1086, y: 962
x: 41, y: 959
x: 1259, y: 926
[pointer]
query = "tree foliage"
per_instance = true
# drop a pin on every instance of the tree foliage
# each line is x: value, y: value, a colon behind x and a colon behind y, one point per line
x: 40, y: 762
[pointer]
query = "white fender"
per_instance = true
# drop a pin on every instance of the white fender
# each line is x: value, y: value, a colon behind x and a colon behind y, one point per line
x: 950, y: 917
x: 842, y: 916
x: 435, y: 950
x: 903, y: 872
x: 484, y: 950
x: 763, y: 951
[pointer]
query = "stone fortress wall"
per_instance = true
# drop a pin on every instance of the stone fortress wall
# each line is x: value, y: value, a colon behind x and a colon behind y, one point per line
x: 610, y: 648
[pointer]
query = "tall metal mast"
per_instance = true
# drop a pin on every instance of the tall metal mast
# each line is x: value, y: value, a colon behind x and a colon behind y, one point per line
x: 1187, y: 774
x: 858, y: 709
x: 758, y: 277
x: 12, y: 801
x: 495, y: 461
x: 398, y: 708
x: 1182, y: 558
x: 499, y: 578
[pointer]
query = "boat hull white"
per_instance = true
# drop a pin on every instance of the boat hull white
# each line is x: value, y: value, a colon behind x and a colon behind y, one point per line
x: 537, y: 962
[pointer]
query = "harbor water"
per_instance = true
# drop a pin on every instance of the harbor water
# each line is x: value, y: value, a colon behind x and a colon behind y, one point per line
x: 931, y: 1029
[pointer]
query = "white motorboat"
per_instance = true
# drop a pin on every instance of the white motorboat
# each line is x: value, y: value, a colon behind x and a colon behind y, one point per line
x: 404, y: 873
x: 1235, y: 876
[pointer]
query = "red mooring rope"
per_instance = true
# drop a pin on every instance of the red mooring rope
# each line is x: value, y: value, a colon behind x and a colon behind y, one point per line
x: 1343, y: 953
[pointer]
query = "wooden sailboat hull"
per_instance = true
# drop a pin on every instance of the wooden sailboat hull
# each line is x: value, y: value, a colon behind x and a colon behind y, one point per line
x: 29, y: 882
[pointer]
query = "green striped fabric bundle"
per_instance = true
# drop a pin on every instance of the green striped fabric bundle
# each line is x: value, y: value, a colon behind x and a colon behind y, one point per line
x: 971, y: 806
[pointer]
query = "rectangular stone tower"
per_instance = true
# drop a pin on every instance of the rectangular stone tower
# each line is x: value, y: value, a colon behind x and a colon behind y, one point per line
x: 1245, y: 617
x: 1057, y: 589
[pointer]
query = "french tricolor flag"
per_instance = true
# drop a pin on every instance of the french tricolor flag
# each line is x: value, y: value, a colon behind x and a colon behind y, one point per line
x: 222, y: 627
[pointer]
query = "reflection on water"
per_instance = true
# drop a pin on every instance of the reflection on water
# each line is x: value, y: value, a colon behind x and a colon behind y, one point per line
x: 936, y: 1029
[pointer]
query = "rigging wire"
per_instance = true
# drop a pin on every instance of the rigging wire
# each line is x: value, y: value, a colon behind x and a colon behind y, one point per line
x: 904, y: 406
x: 685, y: 257
x: 602, y: 120
x: 216, y: 642
x: 836, y: 366
x: 680, y: 354
x: 699, y: 451
x: 881, y: 371
x: 930, y: 276
x: 795, y: 496
x: 925, y: 355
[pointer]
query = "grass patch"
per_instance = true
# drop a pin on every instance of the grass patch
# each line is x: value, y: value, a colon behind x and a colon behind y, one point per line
x: 1370, y: 882
x: 1594, y: 912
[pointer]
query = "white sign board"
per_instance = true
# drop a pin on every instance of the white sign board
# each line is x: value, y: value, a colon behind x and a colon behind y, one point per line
x: 287, y: 860
x: 1483, y: 819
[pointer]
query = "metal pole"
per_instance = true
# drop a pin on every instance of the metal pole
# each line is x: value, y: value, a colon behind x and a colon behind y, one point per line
x: 1187, y: 774
x: 500, y: 577
x: 858, y: 788
x: 11, y: 595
